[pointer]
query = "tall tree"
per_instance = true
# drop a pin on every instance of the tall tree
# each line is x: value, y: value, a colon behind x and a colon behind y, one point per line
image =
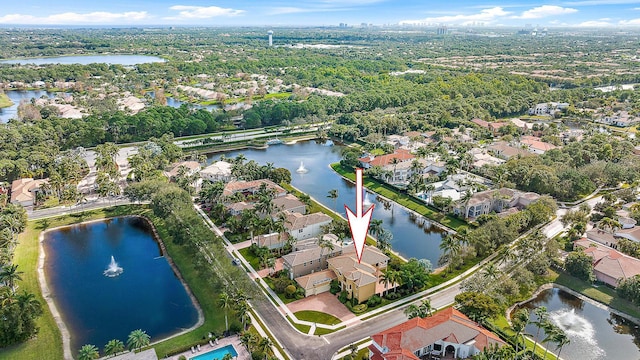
x: 138, y: 339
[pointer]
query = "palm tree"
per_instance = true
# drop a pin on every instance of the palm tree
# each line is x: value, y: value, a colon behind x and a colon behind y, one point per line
x: 247, y: 339
x: 264, y: 345
x: 542, y: 316
x: 9, y: 275
x: 450, y: 247
x: 608, y: 223
x: 138, y: 339
x: 395, y: 161
x: 491, y: 272
x: 113, y: 347
x: 426, y: 308
x: 550, y: 330
x: 225, y: 301
x: 333, y: 194
x: 429, y: 189
x: 411, y: 311
x: 384, y: 279
x: 88, y: 352
x: 561, y: 339
x: 28, y: 303
x: 518, y: 324
x: 227, y: 356
x: 375, y: 227
x: 242, y: 312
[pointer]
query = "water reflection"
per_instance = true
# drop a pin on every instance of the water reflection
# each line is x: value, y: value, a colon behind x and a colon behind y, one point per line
x: 595, y: 333
x: 412, y: 237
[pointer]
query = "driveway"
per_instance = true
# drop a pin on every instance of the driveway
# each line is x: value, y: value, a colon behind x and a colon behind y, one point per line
x: 325, y: 302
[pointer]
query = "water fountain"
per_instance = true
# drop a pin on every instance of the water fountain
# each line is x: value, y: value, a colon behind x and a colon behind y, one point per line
x: 113, y: 269
x: 366, y: 201
x: 302, y: 169
x: 579, y: 330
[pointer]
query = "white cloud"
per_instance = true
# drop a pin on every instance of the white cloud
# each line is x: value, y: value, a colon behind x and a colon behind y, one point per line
x: 601, y: 2
x: 594, y: 24
x: 630, y: 22
x: 545, y: 11
x: 202, y: 12
x: 486, y: 16
x: 68, y: 18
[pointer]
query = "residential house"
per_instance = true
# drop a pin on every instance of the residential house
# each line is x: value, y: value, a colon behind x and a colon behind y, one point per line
x: 308, y: 257
x: 609, y: 266
x: 457, y: 184
x: 190, y: 167
x: 481, y: 158
x: 547, y: 108
x: 317, y: 282
x: 536, y: 145
x: 602, y: 237
x: 360, y: 278
x: 305, y: 226
x: 237, y: 208
x: 218, y: 171
x: 402, y: 172
x: 505, y: 151
x: 494, y: 127
x: 632, y: 234
x: 252, y: 187
x: 289, y: 203
x: 401, y: 155
x: 485, y: 202
x: 620, y: 119
x: 23, y: 191
x: 271, y: 241
x: 448, y: 333
x: 522, y: 125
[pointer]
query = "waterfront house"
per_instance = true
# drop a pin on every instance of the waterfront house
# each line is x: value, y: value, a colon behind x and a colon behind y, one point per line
x: 609, y: 266
x: 218, y: 171
x: 305, y: 226
x: 23, y: 191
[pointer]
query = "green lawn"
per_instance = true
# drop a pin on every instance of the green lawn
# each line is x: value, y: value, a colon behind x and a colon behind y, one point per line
x: 302, y: 328
x: 5, y: 101
x: 48, y: 343
x: 602, y: 293
x: 403, y: 199
x: 282, y: 297
x: 317, y: 317
x: 251, y: 259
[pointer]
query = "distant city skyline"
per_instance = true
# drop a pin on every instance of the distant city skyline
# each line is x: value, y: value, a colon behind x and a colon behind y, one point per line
x: 554, y: 13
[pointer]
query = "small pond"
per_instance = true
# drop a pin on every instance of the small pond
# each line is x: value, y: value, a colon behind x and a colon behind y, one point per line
x: 108, y: 278
x: 595, y: 333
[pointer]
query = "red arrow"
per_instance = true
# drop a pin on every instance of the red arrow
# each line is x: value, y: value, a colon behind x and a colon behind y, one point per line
x: 359, y: 223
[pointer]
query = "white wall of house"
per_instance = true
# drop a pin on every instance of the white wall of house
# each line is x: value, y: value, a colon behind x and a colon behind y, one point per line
x: 308, y: 231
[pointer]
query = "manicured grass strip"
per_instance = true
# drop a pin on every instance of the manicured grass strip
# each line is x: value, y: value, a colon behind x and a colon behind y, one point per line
x: 251, y: 259
x: 301, y: 327
x: 602, y: 293
x: 317, y: 317
x: 503, y: 325
x: 322, y: 331
x: 5, y: 101
x: 403, y: 199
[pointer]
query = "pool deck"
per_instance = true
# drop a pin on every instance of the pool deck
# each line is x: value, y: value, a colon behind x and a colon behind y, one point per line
x: 243, y: 354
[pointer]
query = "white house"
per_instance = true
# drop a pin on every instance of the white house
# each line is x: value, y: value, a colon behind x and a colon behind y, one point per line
x: 218, y: 171
x: 23, y: 191
x: 305, y: 226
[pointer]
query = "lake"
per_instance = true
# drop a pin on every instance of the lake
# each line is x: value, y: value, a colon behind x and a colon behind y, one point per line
x: 595, y: 333
x: 125, y: 60
x: 96, y: 308
x: 17, y: 96
x: 410, y: 239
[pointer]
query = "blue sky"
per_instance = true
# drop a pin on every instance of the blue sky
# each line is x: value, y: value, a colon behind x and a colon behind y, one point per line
x: 585, y: 13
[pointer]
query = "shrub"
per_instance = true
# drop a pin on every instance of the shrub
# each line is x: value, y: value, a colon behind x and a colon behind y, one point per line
x: 335, y: 287
x: 392, y: 296
x: 342, y: 297
x: 182, y: 357
x: 359, y: 308
x: 290, y: 290
x: 374, y: 301
x: 280, y: 284
x: 257, y: 355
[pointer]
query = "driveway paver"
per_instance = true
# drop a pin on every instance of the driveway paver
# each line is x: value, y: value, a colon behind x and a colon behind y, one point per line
x: 325, y: 302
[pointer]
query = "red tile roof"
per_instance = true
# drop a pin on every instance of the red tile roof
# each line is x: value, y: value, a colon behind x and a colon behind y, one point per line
x: 400, y: 154
x: 449, y: 325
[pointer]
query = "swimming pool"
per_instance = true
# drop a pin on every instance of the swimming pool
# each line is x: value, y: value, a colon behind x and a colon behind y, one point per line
x: 217, y: 354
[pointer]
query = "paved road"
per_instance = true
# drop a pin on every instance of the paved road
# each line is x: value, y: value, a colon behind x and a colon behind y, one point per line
x: 91, y: 205
x: 304, y: 347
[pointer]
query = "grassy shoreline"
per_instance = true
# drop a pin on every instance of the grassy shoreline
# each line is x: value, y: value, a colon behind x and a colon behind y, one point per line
x: 48, y: 343
x: 402, y: 199
x: 5, y: 101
